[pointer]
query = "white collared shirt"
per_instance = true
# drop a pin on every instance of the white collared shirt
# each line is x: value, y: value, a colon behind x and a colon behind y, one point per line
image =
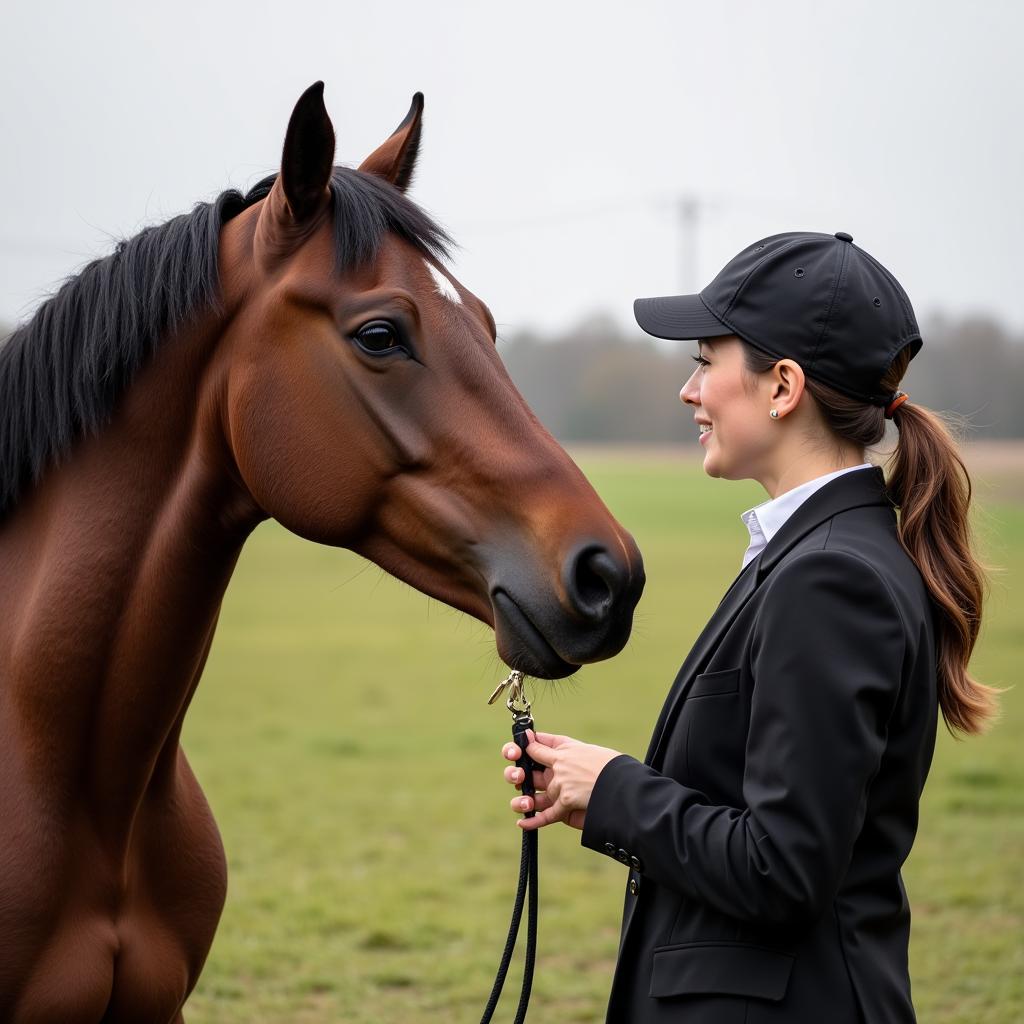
x: 765, y: 520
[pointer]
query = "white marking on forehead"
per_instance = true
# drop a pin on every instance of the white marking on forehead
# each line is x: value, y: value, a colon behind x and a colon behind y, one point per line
x: 444, y: 285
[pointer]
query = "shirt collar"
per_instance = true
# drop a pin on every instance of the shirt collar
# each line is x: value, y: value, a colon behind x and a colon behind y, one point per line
x: 765, y: 520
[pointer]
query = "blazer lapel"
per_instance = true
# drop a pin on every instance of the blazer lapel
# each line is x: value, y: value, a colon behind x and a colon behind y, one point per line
x: 852, y: 490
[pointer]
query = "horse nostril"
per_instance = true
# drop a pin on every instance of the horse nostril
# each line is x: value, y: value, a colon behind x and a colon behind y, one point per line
x: 594, y: 581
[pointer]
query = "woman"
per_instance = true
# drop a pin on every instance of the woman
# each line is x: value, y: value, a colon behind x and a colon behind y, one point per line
x: 765, y: 830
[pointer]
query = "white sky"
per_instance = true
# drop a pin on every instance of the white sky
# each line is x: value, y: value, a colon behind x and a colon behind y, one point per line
x: 558, y: 136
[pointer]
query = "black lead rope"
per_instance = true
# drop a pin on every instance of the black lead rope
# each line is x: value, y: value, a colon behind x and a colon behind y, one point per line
x: 527, y: 865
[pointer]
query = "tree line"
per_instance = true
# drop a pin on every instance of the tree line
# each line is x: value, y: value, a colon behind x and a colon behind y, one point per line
x: 599, y: 382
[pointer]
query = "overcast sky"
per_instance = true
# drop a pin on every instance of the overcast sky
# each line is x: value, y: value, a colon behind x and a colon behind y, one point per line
x: 559, y: 137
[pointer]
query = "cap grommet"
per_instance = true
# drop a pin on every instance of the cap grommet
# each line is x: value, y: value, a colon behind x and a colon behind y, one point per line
x: 799, y: 272
x: 876, y: 301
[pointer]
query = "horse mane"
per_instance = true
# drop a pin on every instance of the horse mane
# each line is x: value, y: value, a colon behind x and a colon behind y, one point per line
x: 63, y: 372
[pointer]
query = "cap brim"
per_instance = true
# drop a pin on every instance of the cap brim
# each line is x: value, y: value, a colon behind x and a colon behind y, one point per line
x: 678, y: 318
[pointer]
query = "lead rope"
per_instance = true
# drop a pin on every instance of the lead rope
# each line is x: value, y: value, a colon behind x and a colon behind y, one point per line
x: 521, y: 721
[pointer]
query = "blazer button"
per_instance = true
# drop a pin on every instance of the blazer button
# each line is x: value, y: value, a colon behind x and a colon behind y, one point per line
x: 634, y: 863
x: 623, y: 856
x: 609, y: 848
x: 634, y: 887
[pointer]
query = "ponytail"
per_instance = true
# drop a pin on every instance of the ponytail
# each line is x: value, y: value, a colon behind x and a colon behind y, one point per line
x: 929, y: 484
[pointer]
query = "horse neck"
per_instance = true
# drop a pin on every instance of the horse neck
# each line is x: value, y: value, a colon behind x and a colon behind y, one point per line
x: 114, y: 570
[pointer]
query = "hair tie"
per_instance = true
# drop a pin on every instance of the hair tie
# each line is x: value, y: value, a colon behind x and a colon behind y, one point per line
x: 897, y: 400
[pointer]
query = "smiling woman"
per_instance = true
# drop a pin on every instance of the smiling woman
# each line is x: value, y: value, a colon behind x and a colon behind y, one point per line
x: 766, y: 828
x: 284, y: 354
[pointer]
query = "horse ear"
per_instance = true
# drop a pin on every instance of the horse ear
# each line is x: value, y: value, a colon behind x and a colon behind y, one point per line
x: 308, y: 157
x: 395, y: 160
x: 301, y: 190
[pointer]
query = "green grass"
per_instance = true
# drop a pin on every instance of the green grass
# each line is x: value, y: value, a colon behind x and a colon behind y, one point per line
x: 342, y: 737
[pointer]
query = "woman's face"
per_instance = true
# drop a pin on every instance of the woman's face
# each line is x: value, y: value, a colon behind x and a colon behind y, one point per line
x: 731, y: 408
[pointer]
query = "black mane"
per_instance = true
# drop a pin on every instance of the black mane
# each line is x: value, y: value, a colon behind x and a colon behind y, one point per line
x: 62, y: 373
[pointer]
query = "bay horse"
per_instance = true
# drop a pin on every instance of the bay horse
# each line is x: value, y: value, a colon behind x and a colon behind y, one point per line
x: 300, y: 352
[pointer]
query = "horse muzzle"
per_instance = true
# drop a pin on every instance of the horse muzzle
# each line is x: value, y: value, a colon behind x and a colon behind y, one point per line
x: 549, y: 631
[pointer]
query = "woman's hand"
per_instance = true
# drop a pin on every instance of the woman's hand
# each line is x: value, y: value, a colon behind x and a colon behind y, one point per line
x: 564, y: 785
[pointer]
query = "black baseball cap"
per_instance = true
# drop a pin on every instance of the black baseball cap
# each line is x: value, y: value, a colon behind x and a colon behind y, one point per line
x: 817, y: 299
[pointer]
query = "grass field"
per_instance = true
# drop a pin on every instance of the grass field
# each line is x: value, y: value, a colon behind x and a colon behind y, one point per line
x: 342, y: 737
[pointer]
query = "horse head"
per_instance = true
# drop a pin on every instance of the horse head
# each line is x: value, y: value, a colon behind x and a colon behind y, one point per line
x: 367, y: 407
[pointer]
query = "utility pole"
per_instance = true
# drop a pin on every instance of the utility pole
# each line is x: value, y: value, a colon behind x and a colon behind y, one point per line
x: 688, y: 210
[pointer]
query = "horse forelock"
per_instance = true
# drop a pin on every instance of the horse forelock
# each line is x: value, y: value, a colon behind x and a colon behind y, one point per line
x: 63, y: 372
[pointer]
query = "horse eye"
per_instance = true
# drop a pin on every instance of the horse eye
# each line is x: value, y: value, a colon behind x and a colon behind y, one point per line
x: 378, y: 337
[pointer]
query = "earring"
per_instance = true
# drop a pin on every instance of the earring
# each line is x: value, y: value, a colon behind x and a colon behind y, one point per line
x: 774, y: 414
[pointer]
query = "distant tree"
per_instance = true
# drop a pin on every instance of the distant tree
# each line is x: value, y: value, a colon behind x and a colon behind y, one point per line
x: 971, y: 367
x: 596, y: 384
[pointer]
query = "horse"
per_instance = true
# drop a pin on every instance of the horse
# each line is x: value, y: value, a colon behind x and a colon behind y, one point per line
x: 300, y: 352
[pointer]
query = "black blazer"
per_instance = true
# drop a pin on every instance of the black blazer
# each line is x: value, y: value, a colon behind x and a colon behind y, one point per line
x: 766, y: 829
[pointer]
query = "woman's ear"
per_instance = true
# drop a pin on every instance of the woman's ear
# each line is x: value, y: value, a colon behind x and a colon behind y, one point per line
x: 787, y: 386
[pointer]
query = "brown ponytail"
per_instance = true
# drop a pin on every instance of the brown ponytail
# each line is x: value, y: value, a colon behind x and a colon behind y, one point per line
x: 928, y: 481
x: 929, y: 484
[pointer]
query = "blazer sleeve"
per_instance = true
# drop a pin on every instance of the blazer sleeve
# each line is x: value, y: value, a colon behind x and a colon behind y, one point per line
x: 826, y: 654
